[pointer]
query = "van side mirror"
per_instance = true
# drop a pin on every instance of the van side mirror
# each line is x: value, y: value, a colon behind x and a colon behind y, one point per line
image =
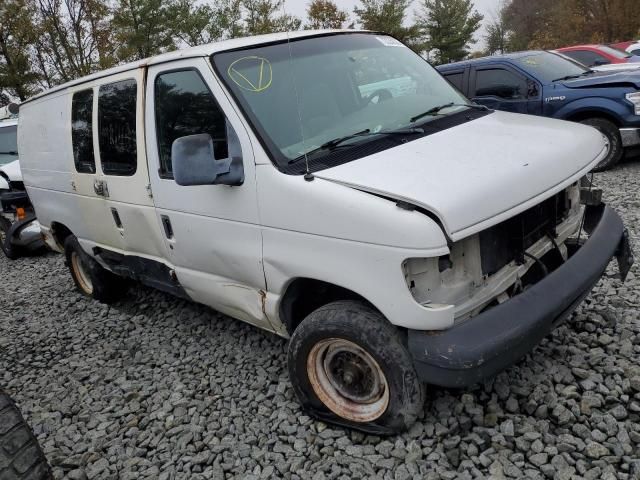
x: 194, y: 163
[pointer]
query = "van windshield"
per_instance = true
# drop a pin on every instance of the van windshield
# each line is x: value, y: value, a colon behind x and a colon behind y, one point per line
x: 301, y: 95
x: 8, y: 144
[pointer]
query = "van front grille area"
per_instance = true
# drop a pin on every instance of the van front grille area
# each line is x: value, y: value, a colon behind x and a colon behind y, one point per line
x: 508, y: 241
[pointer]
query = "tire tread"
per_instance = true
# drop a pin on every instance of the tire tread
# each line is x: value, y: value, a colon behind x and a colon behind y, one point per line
x: 27, y: 461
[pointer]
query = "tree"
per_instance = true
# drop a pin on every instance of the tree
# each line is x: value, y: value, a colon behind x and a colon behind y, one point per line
x: 268, y: 16
x: 449, y: 26
x: 71, y: 39
x: 144, y: 28
x: 199, y: 24
x: 325, y: 14
x: 552, y: 24
x: 497, y: 36
x: 388, y: 16
x: 17, y: 32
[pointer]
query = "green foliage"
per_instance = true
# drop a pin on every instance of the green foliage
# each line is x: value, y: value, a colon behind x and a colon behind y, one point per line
x: 199, y: 24
x: 143, y: 28
x: 325, y: 14
x: 267, y: 16
x: 497, y: 36
x: 449, y: 26
x: 388, y: 16
x: 17, y: 76
x: 71, y: 38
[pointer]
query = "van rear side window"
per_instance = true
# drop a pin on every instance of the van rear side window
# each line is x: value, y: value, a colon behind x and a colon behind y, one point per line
x: 185, y: 106
x: 117, y: 127
x: 82, y: 131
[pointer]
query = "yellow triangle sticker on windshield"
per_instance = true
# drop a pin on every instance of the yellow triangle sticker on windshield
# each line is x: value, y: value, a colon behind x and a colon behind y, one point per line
x: 251, y: 73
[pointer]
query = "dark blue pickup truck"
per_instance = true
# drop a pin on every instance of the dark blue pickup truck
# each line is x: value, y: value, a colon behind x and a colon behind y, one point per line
x: 548, y: 84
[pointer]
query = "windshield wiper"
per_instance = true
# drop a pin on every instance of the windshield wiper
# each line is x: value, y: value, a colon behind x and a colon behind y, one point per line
x: 331, y: 144
x: 571, y: 77
x: 436, y: 110
x: 337, y: 141
x: 10, y: 152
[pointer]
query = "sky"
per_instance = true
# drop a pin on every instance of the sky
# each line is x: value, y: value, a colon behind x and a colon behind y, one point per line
x: 488, y: 8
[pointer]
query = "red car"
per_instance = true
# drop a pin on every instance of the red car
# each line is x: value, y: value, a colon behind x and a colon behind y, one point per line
x: 594, y: 55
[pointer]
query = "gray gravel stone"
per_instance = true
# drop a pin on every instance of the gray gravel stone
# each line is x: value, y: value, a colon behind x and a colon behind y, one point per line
x: 155, y: 387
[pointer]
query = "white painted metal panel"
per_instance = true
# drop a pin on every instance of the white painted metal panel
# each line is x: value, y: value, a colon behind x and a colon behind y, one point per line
x: 479, y: 173
x: 217, y: 244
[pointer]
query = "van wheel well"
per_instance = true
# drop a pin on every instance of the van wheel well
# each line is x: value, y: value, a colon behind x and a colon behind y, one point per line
x: 578, y: 117
x: 60, y: 233
x: 304, y: 295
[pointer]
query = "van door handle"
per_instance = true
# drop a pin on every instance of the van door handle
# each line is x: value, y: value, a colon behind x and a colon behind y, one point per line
x: 100, y: 187
x: 166, y: 224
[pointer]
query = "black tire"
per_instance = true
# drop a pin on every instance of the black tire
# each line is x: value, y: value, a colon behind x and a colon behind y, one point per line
x: 611, y: 131
x: 11, y: 251
x: 21, y: 457
x: 352, y: 322
x: 90, y: 277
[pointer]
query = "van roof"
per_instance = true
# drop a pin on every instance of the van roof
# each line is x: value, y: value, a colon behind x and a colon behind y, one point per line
x: 199, y: 51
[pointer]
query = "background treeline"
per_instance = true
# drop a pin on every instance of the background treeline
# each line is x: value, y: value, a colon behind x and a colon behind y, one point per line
x: 526, y: 24
x: 47, y: 42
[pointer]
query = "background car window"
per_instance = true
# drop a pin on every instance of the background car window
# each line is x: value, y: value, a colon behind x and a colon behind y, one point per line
x: 117, y: 127
x: 185, y: 106
x: 500, y: 83
x: 614, y: 52
x: 587, y: 57
x: 455, y: 79
x: 82, y: 131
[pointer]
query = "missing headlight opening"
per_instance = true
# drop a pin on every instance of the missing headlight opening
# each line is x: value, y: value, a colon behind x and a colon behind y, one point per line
x: 501, y: 260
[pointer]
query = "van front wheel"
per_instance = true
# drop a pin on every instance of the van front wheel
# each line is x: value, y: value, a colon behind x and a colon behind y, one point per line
x: 90, y: 277
x: 348, y: 366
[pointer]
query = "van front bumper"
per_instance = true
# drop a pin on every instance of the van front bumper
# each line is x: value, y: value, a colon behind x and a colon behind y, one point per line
x: 488, y: 343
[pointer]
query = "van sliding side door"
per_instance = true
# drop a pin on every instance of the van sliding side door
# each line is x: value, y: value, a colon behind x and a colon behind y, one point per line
x: 212, y: 233
x: 123, y: 177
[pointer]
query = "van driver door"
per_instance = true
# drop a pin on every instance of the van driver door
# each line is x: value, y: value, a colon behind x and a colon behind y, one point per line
x: 212, y: 233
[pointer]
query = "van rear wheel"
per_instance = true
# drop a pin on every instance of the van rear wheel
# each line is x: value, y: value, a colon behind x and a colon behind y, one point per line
x: 348, y: 366
x: 90, y: 277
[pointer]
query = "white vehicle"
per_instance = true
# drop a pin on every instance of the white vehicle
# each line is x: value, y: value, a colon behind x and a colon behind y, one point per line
x: 398, y: 236
x: 634, y: 48
x: 616, y: 67
x: 19, y: 230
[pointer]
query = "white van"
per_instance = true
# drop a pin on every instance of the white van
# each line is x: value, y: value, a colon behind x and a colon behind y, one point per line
x: 333, y: 188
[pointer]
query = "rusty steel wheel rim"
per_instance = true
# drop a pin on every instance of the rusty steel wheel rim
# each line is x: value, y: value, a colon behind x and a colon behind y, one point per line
x: 83, y: 278
x: 348, y: 380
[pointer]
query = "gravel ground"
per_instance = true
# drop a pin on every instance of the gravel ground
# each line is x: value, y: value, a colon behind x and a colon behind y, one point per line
x: 155, y: 387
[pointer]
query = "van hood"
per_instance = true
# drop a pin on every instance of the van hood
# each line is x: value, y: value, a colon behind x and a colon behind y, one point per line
x: 479, y: 173
x: 622, y: 78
